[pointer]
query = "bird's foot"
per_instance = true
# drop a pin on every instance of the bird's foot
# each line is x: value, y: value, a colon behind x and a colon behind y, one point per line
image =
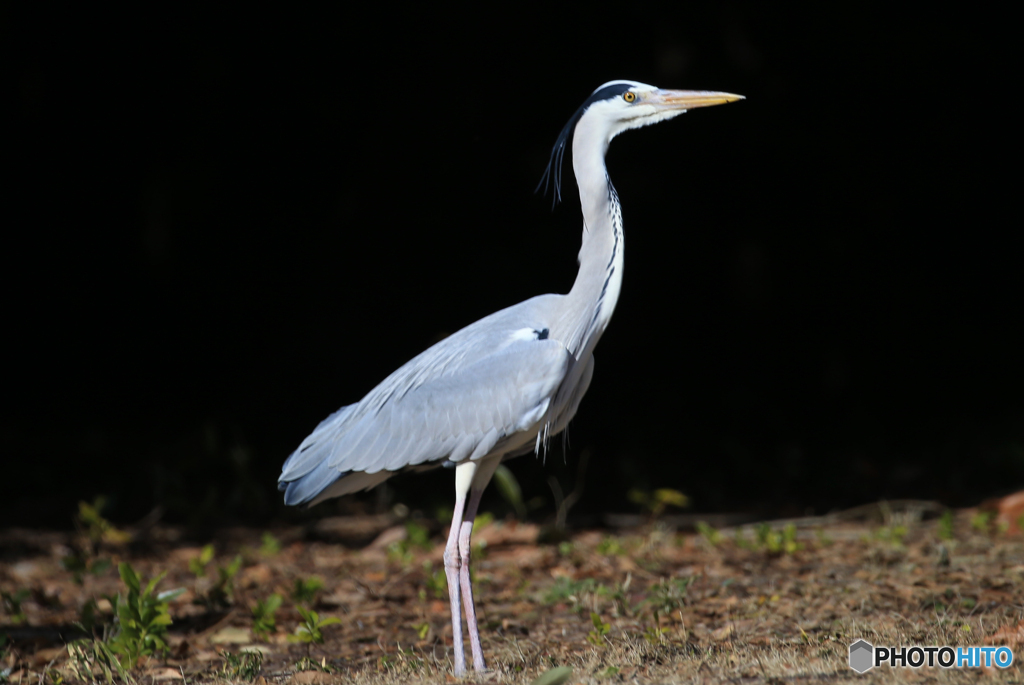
x: 479, y: 675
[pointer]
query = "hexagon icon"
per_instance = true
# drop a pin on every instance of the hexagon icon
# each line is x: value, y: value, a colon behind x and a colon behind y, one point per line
x: 862, y: 656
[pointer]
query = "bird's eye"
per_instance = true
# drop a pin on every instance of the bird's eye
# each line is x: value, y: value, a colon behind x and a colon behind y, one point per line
x: 629, y: 96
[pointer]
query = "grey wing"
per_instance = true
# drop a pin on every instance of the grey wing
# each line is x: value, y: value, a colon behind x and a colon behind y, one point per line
x: 464, y: 412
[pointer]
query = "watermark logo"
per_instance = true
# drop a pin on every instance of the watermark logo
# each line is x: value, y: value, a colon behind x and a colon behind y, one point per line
x: 864, y: 656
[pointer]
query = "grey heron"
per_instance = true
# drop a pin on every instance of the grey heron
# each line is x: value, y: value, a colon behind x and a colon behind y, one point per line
x: 500, y: 387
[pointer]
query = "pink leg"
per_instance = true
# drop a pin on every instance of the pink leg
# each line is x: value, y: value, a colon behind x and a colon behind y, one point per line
x: 451, y: 572
x: 467, y: 587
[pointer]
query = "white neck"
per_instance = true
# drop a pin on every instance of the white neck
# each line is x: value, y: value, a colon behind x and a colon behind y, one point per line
x: 590, y: 303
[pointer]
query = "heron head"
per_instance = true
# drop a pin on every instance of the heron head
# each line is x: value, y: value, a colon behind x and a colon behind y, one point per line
x: 620, y: 105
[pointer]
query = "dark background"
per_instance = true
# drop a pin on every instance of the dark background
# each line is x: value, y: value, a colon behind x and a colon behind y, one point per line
x: 221, y: 225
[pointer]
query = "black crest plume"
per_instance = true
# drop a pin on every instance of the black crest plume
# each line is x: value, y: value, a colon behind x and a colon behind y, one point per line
x: 553, y: 173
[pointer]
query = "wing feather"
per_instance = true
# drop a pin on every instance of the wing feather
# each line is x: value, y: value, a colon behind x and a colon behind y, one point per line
x: 460, y: 399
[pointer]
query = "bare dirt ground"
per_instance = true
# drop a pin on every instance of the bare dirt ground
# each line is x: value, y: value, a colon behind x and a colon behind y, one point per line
x: 754, y: 604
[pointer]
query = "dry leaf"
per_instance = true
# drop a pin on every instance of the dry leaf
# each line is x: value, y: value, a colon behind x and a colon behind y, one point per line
x: 1009, y: 509
x: 164, y: 674
x: 1011, y: 636
x: 231, y: 635
x: 724, y: 632
x: 45, y: 656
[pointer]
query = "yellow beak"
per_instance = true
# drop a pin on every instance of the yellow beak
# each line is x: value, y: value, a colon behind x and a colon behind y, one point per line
x: 687, y: 99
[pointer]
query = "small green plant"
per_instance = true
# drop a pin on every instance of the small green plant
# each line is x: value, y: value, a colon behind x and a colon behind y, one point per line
x: 665, y: 597
x: 789, y: 543
x: 710, y: 534
x: 776, y: 541
x: 610, y: 547
x: 578, y: 594
x: 307, y: 664
x: 90, y: 523
x: 244, y: 666
x: 306, y: 590
x: 945, y: 529
x: 482, y: 521
x: 79, y: 565
x: 569, y: 591
x: 596, y: 636
x: 309, y: 631
x: 12, y: 604
x: 892, y: 535
x: 89, y: 617
x: 269, y: 545
x: 99, y: 529
x: 436, y: 582
x: 656, y: 502
x: 197, y: 565
x: 142, y: 617
x: 619, y: 597
x: 741, y: 541
x: 422, y: 629
x: 982, y: 521
x: 509, y: 489
x: 87, y: 657
x: 405, y: 661
x: 478, y: 552
x: 668, y: 595
x: 655, y: 634
x: 263, y: 622
x: 399, y: 553
x: 222, y: 593
x: 416, y: 536
x: 566, y: 588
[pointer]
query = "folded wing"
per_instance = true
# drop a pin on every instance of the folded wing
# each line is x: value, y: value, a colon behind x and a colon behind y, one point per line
x: 437, y: 407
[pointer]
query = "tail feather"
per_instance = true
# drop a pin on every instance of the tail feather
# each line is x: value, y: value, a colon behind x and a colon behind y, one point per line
x: 305, y: 488
x: 316, y: 449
